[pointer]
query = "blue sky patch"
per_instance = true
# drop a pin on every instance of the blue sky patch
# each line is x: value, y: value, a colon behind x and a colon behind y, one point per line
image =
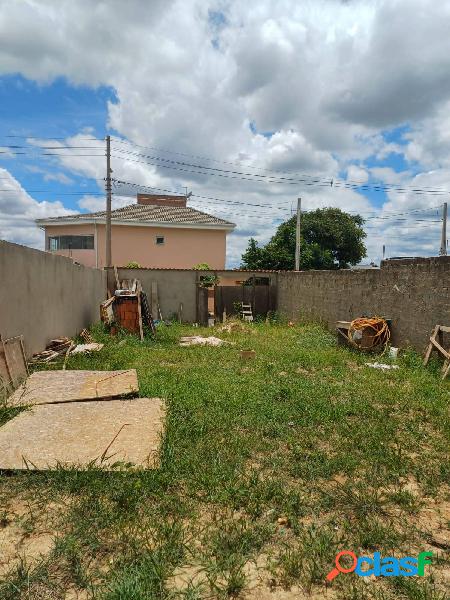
x: 56, y: 110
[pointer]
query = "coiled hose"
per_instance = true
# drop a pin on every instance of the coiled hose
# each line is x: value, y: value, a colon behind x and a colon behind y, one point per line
x: 377, y: 332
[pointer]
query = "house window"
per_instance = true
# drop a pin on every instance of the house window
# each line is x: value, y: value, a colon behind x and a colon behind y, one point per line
x: 71, y: 242
x: 159, y: 240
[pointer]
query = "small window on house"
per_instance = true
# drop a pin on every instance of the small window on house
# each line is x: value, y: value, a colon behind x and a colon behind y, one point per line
x: 159, y: 240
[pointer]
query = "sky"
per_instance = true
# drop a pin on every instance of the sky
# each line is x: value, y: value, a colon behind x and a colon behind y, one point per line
x: 246, y: 105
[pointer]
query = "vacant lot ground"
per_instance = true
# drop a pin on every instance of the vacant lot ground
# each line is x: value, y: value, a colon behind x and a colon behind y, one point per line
x: 269, y: 467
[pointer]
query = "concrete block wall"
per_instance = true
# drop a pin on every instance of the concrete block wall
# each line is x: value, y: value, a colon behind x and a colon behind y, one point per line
x: 414, y: 293
x: 44, y: 296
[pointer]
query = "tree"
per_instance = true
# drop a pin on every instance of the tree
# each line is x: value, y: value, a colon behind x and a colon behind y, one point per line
x: 330, y: 239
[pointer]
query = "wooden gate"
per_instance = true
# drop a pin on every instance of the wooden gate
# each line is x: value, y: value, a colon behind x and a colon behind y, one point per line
x: 228, y: 297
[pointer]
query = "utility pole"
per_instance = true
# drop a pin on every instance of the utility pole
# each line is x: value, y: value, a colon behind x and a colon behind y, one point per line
x: 108, y: 202
x: 297, y: 235
x: 443, y: 250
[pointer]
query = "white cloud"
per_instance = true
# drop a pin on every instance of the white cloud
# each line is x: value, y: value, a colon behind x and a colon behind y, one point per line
x: 96, y: 203
x: 50, y: 175
x: 18, y: 210
x: 357, y: 174
x: 6, y: 153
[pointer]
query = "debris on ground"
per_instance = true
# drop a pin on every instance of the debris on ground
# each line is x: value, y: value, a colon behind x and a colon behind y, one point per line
x: 365, y: 333
x: 93, y: 433
x: 383, y: 366
x: 49, y: 387
x: 233, y: 326
x: 82, y: 418
x: 84, y: 348
x: 248, y: 354
x: 437, y: 344
x: 86, y: 337
x: 107, y: 311
x: 54, y: 349
x: 393, y: 352
x: 198, y: 340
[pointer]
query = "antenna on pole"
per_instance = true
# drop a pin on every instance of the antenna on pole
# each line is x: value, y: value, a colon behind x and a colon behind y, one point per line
x: 443, y: 250
x: 297, y: 235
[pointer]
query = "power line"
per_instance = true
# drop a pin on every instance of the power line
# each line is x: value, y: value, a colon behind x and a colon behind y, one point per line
x: 235, y: 202
x: 227, y: 171
x: 31, y: 155
x: 316, y: 180
x: 37, y: 146
x: 196, y: 195
x: 42, y: 137
x: 336, y: 181
x: 8, y: 191
x: 228, y: 174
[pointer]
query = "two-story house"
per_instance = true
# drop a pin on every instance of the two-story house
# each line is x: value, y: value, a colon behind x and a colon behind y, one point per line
x: 159, y: 231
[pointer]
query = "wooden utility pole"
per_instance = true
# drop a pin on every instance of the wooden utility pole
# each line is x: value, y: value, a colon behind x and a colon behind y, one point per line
x: 297, y: 235
x: 443, y: 250
x: 108, y: 202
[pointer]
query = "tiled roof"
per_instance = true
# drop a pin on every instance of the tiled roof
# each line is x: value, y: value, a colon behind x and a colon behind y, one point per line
x: 146, y: 214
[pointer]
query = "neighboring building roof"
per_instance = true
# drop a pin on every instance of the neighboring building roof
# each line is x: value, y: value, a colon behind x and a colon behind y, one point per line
x: 371, y: 265
x: 150, y: 215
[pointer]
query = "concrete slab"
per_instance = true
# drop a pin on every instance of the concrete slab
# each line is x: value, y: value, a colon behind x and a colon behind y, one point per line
x: 48, y: 387
x: 79, y: 433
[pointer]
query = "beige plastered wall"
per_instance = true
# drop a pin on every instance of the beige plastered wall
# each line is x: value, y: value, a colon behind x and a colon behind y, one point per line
x: 183, y: 248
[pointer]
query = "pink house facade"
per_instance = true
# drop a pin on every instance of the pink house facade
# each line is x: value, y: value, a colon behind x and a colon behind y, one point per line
x: 157, y: 232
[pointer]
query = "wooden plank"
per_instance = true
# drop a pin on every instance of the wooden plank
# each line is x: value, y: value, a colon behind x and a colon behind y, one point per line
x: 15, y: 359
x: 5, y: 377
x: 444, y: 328
x: 343, y: 324
x: 141, y: 329
x: 344, y: 335
x: 84, y: 433
x: 154, y: 298
x: 116, y: 276
x: 429, y: 350
x: 440, y: 348
x: 446, y: 370
x: 50, y: 387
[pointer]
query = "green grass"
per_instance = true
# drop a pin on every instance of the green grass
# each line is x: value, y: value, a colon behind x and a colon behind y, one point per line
x: 268, y: 468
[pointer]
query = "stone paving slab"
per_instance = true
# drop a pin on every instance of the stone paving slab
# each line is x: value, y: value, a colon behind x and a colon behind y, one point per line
x: 47, y: 387
x: 79, y: 433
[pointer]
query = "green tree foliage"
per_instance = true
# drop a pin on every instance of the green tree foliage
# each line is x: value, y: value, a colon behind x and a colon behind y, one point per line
x: 330, y: 239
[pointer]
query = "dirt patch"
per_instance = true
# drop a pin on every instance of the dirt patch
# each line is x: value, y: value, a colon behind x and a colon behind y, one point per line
x: 21, y: 542
x: 263, y: 592
x: 18, y: 546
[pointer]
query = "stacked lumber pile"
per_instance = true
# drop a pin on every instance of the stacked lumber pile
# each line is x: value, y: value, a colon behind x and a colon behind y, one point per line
x: 54, y: 349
